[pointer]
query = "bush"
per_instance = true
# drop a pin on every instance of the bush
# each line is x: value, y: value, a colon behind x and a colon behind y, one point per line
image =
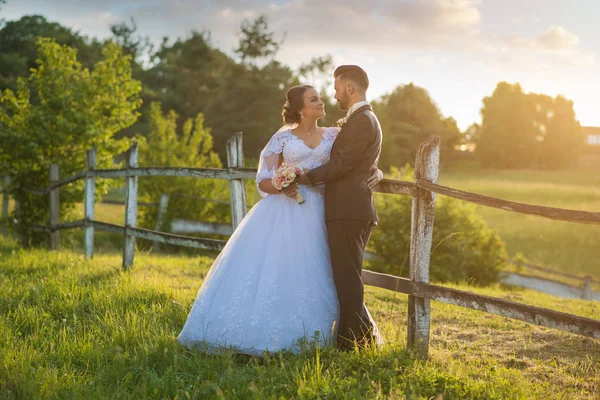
x: 193, y: 149
x: 464, y: 249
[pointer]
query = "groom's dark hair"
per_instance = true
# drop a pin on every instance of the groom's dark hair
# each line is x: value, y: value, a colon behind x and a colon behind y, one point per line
x: 352, y: 73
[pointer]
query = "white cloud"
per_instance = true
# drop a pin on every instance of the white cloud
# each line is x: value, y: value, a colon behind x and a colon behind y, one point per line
x: 315, y: 27
x: 96, y: 23
x: 436, y: 16
x: 554, y: 48
x: 556, y: 38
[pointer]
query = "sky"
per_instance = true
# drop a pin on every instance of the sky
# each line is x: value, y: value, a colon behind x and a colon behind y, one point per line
x: 456, y: 49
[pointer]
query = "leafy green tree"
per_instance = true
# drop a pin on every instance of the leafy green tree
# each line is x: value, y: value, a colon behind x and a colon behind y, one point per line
x: 59, y: 112
x: 256, y: 41
x: 191, y: 76
x: 464, y: 248
x: 528, y: 130
x: 19, y: 52
x: 472, y: 134
x: 133, y: 44
x: 508, y: 132
x: 193, y: 148
x: 251, y: 93
x: 408, y: 116
x: 560, y: 139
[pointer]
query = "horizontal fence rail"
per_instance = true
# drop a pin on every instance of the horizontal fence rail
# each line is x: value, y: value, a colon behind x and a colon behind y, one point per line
x: 211, y: 173
x: 161, y: 237
x: 388, y: 186
x: 560, y: 214
x: 551, y: 271
x: 510, y: 309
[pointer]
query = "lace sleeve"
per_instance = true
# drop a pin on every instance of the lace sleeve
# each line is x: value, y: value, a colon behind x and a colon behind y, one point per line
x: 331, y: 133
x: 270, y: 159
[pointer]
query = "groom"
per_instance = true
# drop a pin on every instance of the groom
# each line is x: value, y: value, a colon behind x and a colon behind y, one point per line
x: 349, y: 208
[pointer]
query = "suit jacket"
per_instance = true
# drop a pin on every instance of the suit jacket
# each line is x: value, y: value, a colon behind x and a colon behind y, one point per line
x: 355, y: 151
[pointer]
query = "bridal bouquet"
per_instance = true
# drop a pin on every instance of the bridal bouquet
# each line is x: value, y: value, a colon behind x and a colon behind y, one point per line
x: 285, y: 175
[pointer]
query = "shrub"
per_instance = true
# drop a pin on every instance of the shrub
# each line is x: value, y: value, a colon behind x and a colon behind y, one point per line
x: 464, y: 249
x: 193, y: 148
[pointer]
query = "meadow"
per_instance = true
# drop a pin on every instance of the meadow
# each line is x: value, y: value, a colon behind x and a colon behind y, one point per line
x: 561, y: 246
x: 73, y: 328
x: 84, y: 329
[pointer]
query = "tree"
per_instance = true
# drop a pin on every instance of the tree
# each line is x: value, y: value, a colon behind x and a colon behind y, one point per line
x: 256, y: 41
x: 408, y: 116
x: 134, y: 45
x: 527, y: 130
x: 508, y: 132
x: 472, y: 134
x: 191, y: 76
x: 59, y: 112
x: 560, y: 139
x: 193, y: 148
x: 18, y: 43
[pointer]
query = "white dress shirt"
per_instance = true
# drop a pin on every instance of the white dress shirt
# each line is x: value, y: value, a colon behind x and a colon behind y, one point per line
x: 355, y: 107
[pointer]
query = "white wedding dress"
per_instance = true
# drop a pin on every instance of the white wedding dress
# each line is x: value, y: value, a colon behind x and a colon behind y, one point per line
x: 272, y: 284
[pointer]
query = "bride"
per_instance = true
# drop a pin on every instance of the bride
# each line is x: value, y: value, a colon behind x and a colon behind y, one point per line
x: 272, y: 284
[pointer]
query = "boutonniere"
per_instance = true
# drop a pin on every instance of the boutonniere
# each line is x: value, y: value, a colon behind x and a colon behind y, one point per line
x: 341, y: 122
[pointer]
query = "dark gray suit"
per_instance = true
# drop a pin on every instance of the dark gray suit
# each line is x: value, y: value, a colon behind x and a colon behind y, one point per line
x: 350, y: 214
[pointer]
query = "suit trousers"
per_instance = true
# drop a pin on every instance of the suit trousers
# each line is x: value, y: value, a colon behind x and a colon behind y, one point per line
x: 347, y: 242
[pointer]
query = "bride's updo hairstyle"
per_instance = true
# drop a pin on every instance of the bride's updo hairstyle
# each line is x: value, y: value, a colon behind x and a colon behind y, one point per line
x: 293, y: 104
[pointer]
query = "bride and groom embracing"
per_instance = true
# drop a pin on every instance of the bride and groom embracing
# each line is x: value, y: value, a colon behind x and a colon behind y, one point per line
x: 293, y: 271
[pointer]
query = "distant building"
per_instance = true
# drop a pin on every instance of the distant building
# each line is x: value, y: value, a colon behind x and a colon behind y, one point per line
x: 592, y: 134
x: 590, y: 157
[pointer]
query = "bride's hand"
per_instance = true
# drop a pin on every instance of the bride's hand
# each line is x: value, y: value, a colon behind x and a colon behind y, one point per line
x: 375, y: 178
x: 291, y: 191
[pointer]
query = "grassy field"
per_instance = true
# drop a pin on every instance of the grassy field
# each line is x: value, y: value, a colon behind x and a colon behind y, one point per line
x: 561, y: 246
x: 73, y: 328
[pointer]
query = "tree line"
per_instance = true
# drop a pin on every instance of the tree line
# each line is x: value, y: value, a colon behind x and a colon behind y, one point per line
x: 244, y: 91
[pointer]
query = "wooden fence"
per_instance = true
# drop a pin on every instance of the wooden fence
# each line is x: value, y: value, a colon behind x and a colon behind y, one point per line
x: 417, y: 286
x: 585, y: 282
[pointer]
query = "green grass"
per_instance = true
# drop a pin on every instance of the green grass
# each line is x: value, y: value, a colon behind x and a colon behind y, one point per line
x: 73, y: 328
x: 561, y: 246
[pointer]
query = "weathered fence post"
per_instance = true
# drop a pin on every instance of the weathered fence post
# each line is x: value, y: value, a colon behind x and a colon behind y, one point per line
x: 587, y: 287
x: 5, y: 206
x: 160, y: 217
x: 423, y: 208
x: 235, y: 159
x: 130, y: 206
x: 89, y: 202
x: 54, y: 209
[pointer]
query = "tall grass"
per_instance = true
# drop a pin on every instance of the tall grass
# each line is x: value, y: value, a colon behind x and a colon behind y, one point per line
x: 73, y: 328
x: 562, y: 246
